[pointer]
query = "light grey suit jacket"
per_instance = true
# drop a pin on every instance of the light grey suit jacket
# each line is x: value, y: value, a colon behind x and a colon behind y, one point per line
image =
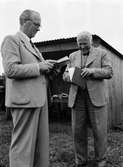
x: 100, y: 61
x: 25, y: 86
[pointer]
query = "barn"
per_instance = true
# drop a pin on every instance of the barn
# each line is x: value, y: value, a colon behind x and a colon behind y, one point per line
x: 55, y: 49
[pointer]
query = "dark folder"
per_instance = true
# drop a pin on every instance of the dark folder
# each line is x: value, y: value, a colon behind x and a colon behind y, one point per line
x: 77, y: 79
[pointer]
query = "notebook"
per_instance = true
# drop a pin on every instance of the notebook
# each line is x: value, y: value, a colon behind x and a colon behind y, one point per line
x: 75, y: 76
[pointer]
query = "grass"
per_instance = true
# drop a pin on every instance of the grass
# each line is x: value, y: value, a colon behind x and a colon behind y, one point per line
x: 61, y: 145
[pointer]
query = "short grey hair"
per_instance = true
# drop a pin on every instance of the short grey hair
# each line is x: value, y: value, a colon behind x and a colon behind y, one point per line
x: 26, y: 15
x: 84, y: 35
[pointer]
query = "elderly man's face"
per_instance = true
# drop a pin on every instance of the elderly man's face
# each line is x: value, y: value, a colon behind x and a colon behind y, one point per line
x: 32, y: 26
x: 84, y: 45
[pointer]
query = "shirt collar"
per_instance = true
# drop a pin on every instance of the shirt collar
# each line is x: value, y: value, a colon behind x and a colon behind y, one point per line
x: 24, y: 35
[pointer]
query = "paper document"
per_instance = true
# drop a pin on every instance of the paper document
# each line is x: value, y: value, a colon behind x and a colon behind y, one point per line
x: 62, y: 62
x: 71, y: 72
x: 63, y: 59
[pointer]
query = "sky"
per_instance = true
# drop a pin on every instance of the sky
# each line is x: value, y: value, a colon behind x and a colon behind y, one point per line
x: 66, y: 18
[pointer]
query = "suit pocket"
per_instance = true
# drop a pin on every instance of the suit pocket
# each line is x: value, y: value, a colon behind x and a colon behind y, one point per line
x: 20, y: 100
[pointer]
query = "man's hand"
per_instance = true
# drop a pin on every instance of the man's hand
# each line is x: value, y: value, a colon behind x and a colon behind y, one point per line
x: 47, y: 65
x: 86, y: 72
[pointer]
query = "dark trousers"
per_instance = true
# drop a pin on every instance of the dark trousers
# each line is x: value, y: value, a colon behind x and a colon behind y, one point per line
x: 84, y: 113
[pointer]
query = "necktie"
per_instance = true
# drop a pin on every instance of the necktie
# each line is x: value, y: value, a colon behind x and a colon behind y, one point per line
x: 83, y: 62
x: 32, y: 44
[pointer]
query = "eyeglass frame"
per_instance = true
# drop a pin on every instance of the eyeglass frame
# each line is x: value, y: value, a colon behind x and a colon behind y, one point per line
x: 35, y: 24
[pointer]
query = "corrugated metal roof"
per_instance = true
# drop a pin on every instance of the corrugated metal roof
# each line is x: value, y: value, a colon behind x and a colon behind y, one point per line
x: 56, y: 40
x: 73, y: 39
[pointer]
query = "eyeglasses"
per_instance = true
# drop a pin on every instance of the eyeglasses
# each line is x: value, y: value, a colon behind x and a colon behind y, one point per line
x: 35, y: 24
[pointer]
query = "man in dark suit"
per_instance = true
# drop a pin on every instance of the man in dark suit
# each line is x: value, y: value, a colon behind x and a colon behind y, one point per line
x: 88, y: 101
x: 26, y: 94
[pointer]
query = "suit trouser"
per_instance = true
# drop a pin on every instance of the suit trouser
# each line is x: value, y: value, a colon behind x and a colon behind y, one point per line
x: 30, y: 137
x: 85, y: 112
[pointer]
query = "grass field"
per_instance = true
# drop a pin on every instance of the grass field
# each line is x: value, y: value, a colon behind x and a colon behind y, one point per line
x: 61, y: 146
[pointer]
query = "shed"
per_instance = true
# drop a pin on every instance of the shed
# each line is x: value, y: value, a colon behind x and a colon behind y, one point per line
x: 55, y: 49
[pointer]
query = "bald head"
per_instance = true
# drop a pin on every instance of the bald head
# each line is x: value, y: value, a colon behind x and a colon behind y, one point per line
x: 85, y: 36
x: 30, y: 22
x: 27, y: 15
x: 84, y: 41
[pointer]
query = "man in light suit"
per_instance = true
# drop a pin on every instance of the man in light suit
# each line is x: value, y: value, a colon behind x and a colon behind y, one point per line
x: 26, y: 94
x: 88, y: 102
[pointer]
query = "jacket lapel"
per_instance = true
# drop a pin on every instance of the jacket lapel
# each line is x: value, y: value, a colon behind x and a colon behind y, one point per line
x: 28, y: 46
x: 90, y: 58
x: 78, y: 59
x: 38, y: 53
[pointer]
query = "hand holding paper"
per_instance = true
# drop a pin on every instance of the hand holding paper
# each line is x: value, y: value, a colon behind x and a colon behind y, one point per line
x: 57, y: 66
x: 62, y: 61
x: 46, y: 65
